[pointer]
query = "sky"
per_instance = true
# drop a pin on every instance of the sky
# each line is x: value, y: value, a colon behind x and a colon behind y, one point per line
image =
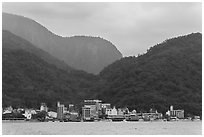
x: 132, y: 27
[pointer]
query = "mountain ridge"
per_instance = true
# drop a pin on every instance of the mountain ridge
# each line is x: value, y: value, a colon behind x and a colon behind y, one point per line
x: 90, y: 54
x: 170, y: 73
x: 28, y: 79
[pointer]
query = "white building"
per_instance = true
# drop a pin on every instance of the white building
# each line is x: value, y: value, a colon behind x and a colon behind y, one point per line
x: 111, y: 112
x: 43, y: 107
x: 175, y: 113
x: 29, y: 112
x: 134, y: 112
x: 8, y: 110
x: 120, y: 112
x: 52, y: 114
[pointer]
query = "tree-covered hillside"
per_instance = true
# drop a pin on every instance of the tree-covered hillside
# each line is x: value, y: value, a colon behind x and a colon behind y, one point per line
x: 169, y: 73
x: 28, y: 78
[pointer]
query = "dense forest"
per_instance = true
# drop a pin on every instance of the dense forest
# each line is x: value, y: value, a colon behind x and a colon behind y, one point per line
x: 170, y: 73
x: 29, y: 79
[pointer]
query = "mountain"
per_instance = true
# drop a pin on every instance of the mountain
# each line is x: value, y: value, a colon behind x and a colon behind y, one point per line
x: 31, y: 76
x: 170, y: 73
x: 90, y: 54
x: 8, y: 40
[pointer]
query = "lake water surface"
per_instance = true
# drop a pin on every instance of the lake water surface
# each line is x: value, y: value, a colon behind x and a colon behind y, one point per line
x: 101, y: 128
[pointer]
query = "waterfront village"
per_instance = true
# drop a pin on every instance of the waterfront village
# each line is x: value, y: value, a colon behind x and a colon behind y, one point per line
x: 92, y: 110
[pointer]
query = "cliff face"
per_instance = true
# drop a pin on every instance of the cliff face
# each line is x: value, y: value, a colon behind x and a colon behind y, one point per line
x: 90, y: 54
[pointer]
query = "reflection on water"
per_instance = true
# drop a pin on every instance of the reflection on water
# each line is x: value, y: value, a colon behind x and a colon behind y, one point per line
x: 100, y: 128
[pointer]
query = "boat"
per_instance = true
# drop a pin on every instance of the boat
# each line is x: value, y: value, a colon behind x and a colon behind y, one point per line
x: 117, y: 118
x: 132, y: 118
x: 88, y: 120
x: 146, y: 118
x: 196, y: 118
x: 174, y: 119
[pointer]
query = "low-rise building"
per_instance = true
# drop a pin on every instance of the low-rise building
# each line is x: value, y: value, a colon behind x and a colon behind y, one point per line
x: 175, y: 113
x: 29, y: 112
x: 8, y: 110
x: 112, y: 112
x: 43, y: 107
x: 120, y: 112
x: 52, y: 114
x: 105, y: 108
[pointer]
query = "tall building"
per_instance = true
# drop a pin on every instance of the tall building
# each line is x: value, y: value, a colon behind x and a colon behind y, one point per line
x: 94, y: 106
x: 60, y: 110
x: 71, y: 108
x: 176, y: 113
x: 86, y: 113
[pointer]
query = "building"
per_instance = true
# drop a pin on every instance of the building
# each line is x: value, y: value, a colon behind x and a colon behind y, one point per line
x: 153, y: 115
x: 43, y: 107
x: 94, y: 106
x: 175, y: 113
x: 8, y: 110
x: 71, y: 108
x: 112, y: 112
x: 120, y: 111
x: 29, y: 112
x: 104, y: 107
x: 86, y: 113
x: 60, y: 110
x: 134, y: 112
x: 52, y: 114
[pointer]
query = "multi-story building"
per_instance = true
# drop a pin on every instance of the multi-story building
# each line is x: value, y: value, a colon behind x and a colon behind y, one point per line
x: 175, y: 113
x: 43, y: 107
x: 71, y: 108
x: 95, y: 107
x: 105, y: 107
x: 86, y: 113
x: 112, y: 112
x: 60, y: 111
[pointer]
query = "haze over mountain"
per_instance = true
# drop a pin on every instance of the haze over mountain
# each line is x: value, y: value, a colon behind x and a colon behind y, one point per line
x: 90, y: 54
x: 169, y: 73
x: 31, y: 76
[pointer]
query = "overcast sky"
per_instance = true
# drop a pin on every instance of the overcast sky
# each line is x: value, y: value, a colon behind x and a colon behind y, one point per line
x: 131, y: 27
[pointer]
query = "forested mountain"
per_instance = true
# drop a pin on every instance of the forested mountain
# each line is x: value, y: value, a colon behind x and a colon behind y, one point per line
x: 90, y: 54
x: 31, y: 76
x: 169, y: 73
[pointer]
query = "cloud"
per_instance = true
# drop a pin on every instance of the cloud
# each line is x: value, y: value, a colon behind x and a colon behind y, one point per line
x: 132, y: 27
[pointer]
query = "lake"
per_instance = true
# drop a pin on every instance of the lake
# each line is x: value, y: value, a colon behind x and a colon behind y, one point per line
x: 102, y: 128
